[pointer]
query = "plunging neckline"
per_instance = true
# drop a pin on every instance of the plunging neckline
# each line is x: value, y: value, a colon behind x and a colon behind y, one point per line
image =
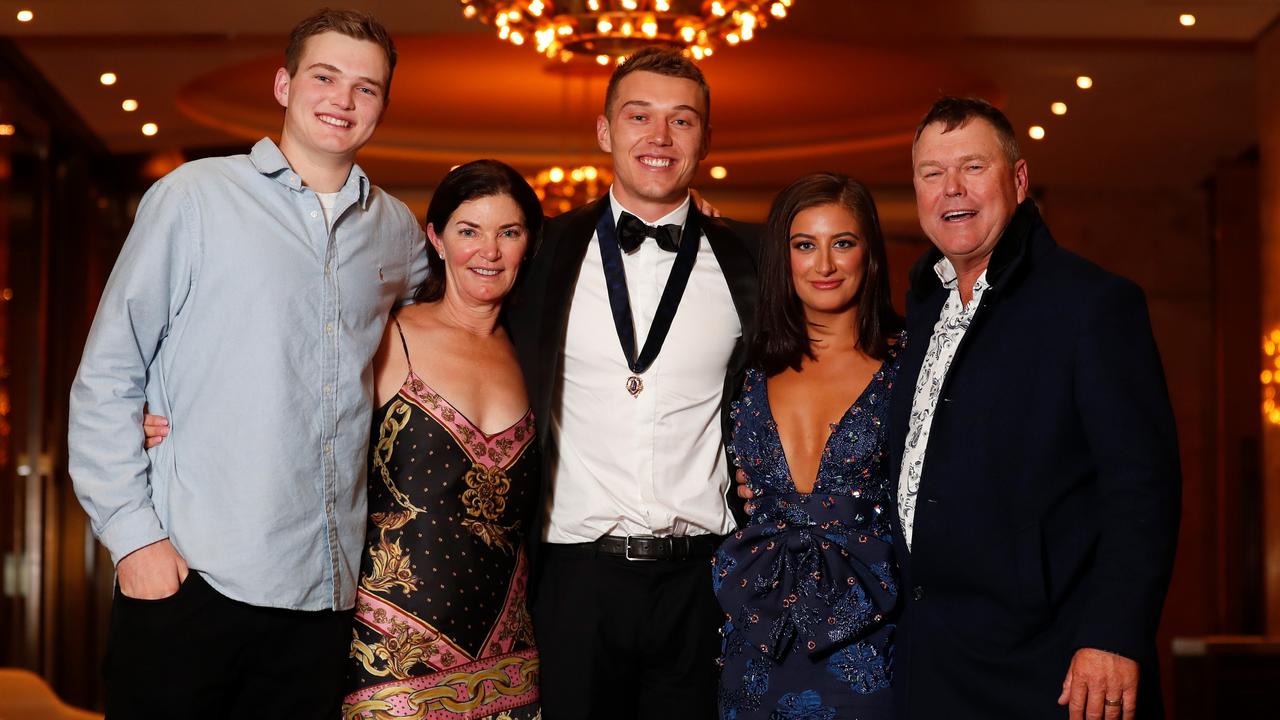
x: 488, y: 437
x: 831, y: 433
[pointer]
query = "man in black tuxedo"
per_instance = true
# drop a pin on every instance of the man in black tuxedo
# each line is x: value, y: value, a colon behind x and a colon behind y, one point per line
x: 630, y: 326
x: 1035, y: 452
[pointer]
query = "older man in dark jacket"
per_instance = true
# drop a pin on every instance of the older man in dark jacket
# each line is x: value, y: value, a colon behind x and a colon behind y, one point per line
x: 1035, y: 453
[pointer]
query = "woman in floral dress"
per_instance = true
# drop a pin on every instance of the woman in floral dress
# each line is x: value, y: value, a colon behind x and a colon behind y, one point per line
x: 441, y: 628
x: 809, y: 584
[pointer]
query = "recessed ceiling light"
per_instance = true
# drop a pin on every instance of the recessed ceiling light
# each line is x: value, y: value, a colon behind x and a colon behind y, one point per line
x: 1036, y: 132
x: 7, y: 129
x: 1058, y: 108
x: 719, y: 172
x: 1187, y: 19
x: 129, y: 105
x: 107, y: 78
x: 26, y: 16
x: 1084, y: 82
x: 150, y: 129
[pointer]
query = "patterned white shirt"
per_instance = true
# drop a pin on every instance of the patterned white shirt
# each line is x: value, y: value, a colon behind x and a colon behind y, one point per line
x: 947, y: 333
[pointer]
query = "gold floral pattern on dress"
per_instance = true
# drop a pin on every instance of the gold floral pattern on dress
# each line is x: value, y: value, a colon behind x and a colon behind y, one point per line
x: 391, y: 568
x: 518, y: 625
x: 396, y: 655
x: 484, y: 500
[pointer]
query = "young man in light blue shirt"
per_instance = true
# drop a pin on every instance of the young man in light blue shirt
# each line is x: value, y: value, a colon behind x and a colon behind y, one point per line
x: 246, y: 306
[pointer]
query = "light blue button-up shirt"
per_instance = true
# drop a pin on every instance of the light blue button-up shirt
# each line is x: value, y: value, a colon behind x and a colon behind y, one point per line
x: 234, y: 310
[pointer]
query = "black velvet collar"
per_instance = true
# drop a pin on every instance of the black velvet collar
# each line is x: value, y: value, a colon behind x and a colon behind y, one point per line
x: 1025, y: 233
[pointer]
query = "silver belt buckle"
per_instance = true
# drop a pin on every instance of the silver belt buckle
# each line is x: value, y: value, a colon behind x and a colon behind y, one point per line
x: 626, y: 551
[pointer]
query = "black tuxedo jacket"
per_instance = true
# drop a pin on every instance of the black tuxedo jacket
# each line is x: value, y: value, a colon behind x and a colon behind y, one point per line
x: 1047, y: 513
x: 538, y: 314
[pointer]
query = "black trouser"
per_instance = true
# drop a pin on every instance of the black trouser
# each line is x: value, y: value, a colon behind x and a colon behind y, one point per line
x: 199, y: 654
x: 625, y: 639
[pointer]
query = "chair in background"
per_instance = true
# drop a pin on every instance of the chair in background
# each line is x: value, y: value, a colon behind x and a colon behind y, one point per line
x: 25, y: 696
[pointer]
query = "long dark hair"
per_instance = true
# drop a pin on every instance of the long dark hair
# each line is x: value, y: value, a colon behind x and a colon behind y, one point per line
x: 782, y: 334
x: 476, y: 179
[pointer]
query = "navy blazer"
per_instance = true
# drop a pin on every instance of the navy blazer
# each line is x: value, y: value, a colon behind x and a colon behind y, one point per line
x: 1048, y: 507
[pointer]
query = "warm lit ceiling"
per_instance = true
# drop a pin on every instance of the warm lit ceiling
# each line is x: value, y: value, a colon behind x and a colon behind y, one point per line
x: 839, y: 84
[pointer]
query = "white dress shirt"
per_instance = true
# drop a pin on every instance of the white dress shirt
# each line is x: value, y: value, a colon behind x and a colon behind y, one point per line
x: 947, y: 334
x: 652, y: 464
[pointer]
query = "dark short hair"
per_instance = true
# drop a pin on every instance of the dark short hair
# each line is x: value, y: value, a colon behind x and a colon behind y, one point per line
x: 472, y: 181
x: 955, y: 112
x: 782, y: 335
x: 353, y: 24
x: 660, y: 61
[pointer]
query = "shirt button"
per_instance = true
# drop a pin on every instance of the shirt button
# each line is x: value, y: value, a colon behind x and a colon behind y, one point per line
x: 328, y: 328
x: 917, y: 593
x: 328, y: 508
x: 315, y: 213
x: 328, y: 389
x: 328, y: 448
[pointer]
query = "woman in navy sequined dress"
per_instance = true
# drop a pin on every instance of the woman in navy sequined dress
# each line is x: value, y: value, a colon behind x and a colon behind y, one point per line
x: 808, y: 585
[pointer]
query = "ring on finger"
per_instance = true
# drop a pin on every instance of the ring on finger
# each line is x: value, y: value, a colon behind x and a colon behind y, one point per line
x: 1111, y: 703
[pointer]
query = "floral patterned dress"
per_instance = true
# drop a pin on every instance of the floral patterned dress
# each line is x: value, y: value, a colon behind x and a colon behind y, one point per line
x: 441, y: 627
x: 807, y: 586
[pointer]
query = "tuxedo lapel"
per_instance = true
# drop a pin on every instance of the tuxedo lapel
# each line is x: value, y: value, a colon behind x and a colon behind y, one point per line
x: 738, y: 269
x: 566, y: 249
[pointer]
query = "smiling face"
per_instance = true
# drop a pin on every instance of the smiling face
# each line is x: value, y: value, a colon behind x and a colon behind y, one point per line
x: 828, y: 259
x: 483, y: 244
x: 334, y: 100
x: 657, y: 135
x: 966, y: 190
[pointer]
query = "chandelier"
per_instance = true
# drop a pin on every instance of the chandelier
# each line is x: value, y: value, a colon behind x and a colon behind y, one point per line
x: 606, y: 31
x: 561, y: 190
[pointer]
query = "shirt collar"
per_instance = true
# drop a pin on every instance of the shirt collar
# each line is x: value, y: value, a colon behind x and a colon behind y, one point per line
x: 675, y: 217
x: 269, y: 161
x: 946, y: 273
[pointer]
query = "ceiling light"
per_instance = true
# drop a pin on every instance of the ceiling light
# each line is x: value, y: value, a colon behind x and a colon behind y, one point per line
x: 559, y: 189
x: 1058, y: 108
x: 129, y: 105
x: 150, y: 129
x: 1187, y: 19
x: 107, y: 78
x: 1084, y: 82
x: 7, y: 129
x: 719, y: 172
x: 1036, y: 132
x: 26, y: 16
x: 569, y: 29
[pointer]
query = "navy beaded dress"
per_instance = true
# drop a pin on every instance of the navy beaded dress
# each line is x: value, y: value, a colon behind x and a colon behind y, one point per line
x: 808, y: 585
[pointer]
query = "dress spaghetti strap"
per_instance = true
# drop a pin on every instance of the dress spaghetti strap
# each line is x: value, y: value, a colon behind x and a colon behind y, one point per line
x: 403, y: 344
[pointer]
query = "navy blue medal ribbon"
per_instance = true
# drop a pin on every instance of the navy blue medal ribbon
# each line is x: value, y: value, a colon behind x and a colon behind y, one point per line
x: 620, y: 303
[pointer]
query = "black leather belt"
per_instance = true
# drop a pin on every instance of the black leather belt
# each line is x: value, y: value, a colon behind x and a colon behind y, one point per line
x: 647, y: 547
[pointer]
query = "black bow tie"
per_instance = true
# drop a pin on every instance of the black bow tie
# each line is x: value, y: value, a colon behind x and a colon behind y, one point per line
x: 632, y: 231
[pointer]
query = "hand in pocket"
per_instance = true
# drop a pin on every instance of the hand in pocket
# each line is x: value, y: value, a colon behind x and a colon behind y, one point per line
x: 152, y: 572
